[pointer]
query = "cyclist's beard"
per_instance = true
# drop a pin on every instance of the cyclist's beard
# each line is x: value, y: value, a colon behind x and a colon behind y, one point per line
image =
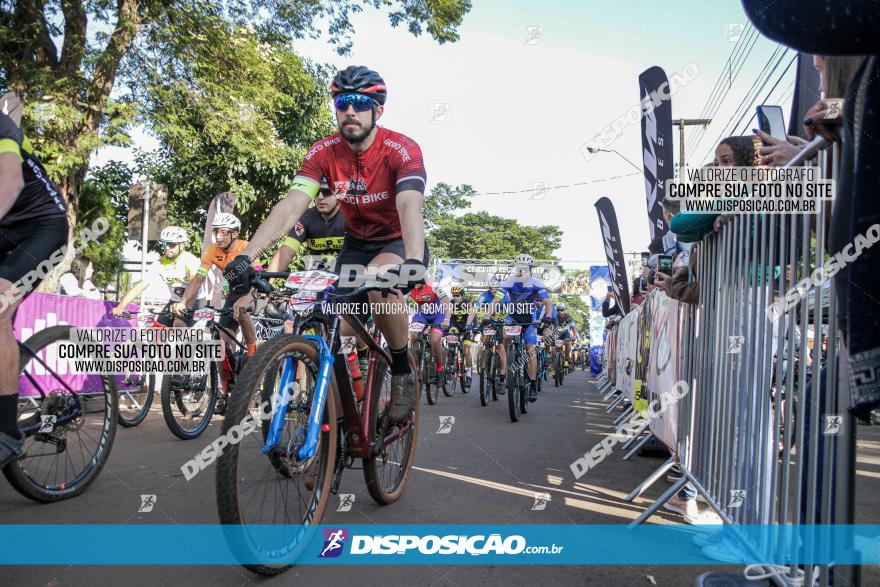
x: 354, y: 135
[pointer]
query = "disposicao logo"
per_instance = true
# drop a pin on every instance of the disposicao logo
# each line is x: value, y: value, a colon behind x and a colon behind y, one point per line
x: 334, y: 542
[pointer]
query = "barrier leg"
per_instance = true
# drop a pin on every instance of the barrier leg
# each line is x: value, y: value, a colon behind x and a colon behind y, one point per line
x: 646, y: 484
x: 623, y: 416
x: 636, y: 448
x: 609, y: 393
x: 613, y: 404
x: 635, y: 436
x: 652, y: 509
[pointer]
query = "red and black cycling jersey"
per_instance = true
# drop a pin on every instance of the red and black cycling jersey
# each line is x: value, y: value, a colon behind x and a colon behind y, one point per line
x: 428, y: 299
x: 40, y: 197
x: 366, y: 184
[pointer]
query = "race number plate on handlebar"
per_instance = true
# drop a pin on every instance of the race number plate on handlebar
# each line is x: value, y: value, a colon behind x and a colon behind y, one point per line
x: 302, y: 301
x: 205, y: 314
x: 416, y: 327
x: 452, y: 339
x: 559, y: 342
x: 512, y: 330
x: 489, y: 332
x: 312, y: 281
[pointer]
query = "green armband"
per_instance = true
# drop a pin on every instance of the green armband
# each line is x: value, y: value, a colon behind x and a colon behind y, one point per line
x: 202, y: 271
x: 310, y: 187
x: 291, y: 242
x: 10, y: 146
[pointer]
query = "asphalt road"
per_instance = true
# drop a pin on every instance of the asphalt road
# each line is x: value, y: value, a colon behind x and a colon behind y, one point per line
x: 485, y: 470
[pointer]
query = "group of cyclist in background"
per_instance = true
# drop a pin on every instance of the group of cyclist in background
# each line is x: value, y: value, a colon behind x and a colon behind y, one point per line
x: 371, y: 216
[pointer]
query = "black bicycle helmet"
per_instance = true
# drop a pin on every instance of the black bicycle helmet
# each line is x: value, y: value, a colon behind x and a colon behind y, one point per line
x: 357, y: 79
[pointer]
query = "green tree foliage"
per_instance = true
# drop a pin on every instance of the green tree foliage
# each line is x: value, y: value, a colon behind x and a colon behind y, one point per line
x: 443, y: 201
x: 482, y: 235
x: 105, y: 194
x: 88, y: 69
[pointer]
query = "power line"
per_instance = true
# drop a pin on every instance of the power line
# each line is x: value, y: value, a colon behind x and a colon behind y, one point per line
x: 694, y: 145
x: 731, y: 125
x: 742, y: 41
x: 542, y: 189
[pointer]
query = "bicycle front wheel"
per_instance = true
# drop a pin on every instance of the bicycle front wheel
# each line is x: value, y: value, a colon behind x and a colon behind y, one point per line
x: 450, y: 373
x: 269, y: 504
x: 387, y: 472
x: 513, y: 387
x: 135, y: 397
x: 188, y: 402
x: 69, y: 436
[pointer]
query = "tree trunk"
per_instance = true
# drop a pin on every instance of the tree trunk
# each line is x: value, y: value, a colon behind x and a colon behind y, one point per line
x: 69, y: 189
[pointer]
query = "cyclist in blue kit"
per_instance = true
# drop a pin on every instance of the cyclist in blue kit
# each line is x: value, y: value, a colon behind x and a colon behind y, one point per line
x: 528, y: 299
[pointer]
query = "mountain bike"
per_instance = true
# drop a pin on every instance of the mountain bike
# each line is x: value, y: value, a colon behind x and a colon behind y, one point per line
x: 189, y: 401
x: 455, y: 362
x: 558, y: 363
x: 427, y: 368
x: 296, y: 424
x: 517, y: 363
x: 488, y: 363
x: 136, y: 390
x: 69, y: 431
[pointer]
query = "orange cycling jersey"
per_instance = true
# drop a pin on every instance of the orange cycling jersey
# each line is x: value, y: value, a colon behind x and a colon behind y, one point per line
x: 214, y: 255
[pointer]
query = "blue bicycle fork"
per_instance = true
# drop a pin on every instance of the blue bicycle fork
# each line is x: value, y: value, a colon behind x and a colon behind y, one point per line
x: 288, y: 374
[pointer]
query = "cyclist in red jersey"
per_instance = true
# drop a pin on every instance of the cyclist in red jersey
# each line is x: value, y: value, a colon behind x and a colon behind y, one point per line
x: 434, y: 305
x: 379, y: 178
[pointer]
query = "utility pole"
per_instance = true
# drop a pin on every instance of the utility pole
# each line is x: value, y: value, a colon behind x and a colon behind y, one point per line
x: 682, y: 122
x: 145, y: 231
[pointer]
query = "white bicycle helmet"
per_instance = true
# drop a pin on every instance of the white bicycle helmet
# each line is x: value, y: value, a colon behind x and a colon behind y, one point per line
x: 226, y: 220
x: 560, y: 306
x: 524, y: 259
x: 173, y: 234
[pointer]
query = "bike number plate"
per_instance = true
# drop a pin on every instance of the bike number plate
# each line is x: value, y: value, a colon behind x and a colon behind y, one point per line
x: 559, y: 342
x: 452, y: 339
x: 512, y: 330
x: 489, y: 332
x: 303, y: 300
x: 205, y: 314
x: 416, y: 327
x: 311, y: 281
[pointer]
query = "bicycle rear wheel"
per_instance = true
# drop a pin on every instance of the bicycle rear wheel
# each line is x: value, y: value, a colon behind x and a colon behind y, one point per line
x: 387, y: 472
x: 135, y: 397
x: 69, y: 437
x: 269, y: 505
x: 188, y: 402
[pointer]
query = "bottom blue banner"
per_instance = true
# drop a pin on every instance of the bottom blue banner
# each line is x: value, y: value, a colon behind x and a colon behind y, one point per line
x: 440, y: 544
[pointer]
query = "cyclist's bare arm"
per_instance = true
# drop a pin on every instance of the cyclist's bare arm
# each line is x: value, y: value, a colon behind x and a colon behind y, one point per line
x: 412, y: 226
x: 130, y: 296
x: 281, y: 219
x: 192, y: 290
x: 281, y: 259
x: 11, y: 180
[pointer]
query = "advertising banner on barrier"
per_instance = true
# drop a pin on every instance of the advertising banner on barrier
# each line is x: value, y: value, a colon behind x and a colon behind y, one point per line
x: 663, y: 365
x: 627, y: 343
x: 613, y: 252
x: 40, y: 311
x: 656, y: 143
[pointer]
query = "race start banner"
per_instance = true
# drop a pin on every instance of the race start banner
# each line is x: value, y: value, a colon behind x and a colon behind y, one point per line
x: 656, y: 143
x: 613, y: 252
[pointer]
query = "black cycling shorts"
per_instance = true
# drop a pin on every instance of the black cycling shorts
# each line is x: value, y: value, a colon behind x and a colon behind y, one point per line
x: 362, y: 253
x: 24, y: 246
x: 228, y: 321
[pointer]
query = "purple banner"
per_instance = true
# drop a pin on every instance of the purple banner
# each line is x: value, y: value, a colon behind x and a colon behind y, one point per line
x: 40, y: 311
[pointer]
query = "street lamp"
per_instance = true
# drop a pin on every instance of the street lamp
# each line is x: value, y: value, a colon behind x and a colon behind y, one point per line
x: 595, y: 150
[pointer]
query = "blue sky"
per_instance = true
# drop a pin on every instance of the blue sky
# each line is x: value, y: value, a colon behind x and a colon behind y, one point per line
x: 517, y: 113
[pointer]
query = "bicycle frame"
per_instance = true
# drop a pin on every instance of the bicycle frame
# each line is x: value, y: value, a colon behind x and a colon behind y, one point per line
x: 29, y: 431
x: 356, y: 424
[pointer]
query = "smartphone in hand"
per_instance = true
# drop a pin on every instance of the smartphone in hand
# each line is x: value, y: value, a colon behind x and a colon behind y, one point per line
x: 772, y: 121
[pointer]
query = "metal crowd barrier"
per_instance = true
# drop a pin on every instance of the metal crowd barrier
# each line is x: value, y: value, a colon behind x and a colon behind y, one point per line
x: 761, y: 435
